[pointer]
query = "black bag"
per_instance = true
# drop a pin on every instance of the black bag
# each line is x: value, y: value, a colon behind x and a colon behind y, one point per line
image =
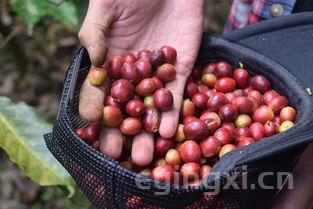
x: 281, y: 50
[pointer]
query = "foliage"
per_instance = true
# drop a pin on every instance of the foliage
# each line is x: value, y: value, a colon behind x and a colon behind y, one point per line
x: 32, y: 11
x: 21, y: 136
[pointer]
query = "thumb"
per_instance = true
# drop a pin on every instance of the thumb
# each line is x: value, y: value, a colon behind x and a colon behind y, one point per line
x: 92, y: 34
x: 170, y: 118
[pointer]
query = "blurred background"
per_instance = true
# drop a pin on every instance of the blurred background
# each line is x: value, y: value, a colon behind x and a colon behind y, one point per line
x: 37, y: 40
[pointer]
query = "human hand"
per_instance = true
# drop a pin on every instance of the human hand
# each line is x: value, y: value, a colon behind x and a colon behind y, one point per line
x: 115, y: 27
x: 301, y: 196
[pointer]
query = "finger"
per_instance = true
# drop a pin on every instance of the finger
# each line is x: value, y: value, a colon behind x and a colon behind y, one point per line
x: 91, y: 100
x: 142, y: 149
x: 111, y: 143
x: 301, y: 196
x: 170, y: 118
x: 92, y: 34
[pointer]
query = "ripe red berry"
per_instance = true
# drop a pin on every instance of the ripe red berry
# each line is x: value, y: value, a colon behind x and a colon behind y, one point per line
x: 260, y: 83
x: 200, y: 101
x: 223, y: 69
x: 112, y: 116
x: 163, y: 99
x: 166, y: 72
x: 161, y: 146
x: 263, y: 114
x: 190, y: 151
x: 241, y: 78
x: 122, y: 90
x: 210, y: 146
x: 135, y: 108
x: 191, y: 89
x: 115, y: 65
x: 157, y: 57
x: 288, y: 113
x: 257, y: 131
x: 144, y: 69
x: 216, y: 102
x: 131, y: 126
x: 170, y: 54
x: 224, y: 135
x: 245, y: 141
x: 195, y: 130
x: 243, y: 104
x: 225, y: 85
x: 228, y: 112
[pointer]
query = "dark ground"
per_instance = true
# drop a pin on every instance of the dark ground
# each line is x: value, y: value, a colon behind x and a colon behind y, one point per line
x: 32, y: 70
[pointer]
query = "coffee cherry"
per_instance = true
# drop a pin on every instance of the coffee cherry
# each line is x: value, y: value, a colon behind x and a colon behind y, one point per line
x: 224, y: 136
x: 129, y: 58
x: 163, y: 99
x: 115, y: 65
x: 269, y: 96
x: 203, y: 88
x: 209, y: 80
x: 226, y: 149
x: 200, y: 100
x: 225, y: 85
x: 145, y: 87
x: 187, y: 109
x: 170, y: 54
x: 112, y: 116
x: 97, y: 76
x: 195, y: 130
x: 270, y: 128
x: 212, y: 120
x: 151, y: 120
x: 122, y: 90
x: 172, y: 157
x: 164, y: 173
x: 263, y: 114
x: 209, y: 68
x: 245, y: 141
x: 109, y: 101
x: 149, y: 102
x: 241, y: 78
x: 243, y: 104
x: 257, y: 131
x: 190, y: 171
x: 144, y: 55
x: 278, y: 103
x: 143, y: 68
x: 288, y: 113
x: 210, y: 146
x: 256, y: 95
x: 129, y: 72
x: 166, y: 72
x: 228, y: 112
x: 190, y: 151
x: 243, y: 120
x: 161, y: 146
x: 223, y: 69
x: 216, y: 102
x: 239, y: 133
x: 157, y: 57
x: 230, y: 97
x: 180, y: 135
x: 229, y: 125
x: 285, y: 126
x: 260, y: 83
x: 191, y: 89
x: 157, y: 82
x: 92, y: 133
x: 131, y: 126
x: 135, y: 108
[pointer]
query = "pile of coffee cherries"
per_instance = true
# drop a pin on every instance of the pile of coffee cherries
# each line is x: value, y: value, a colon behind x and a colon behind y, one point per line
x: 223, y: 109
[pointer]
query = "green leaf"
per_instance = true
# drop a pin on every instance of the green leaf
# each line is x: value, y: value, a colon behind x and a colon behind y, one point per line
x: 21, y: 136
x: 32, y: 11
